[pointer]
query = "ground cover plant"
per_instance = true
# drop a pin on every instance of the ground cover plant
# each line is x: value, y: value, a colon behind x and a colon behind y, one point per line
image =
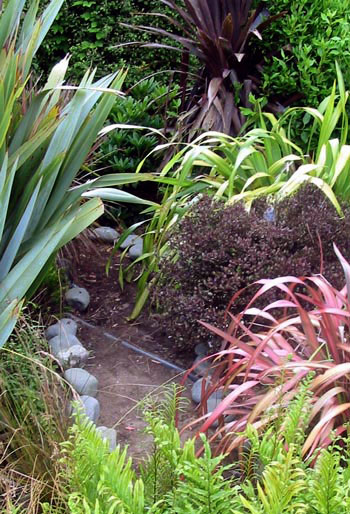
x: 268, y: 350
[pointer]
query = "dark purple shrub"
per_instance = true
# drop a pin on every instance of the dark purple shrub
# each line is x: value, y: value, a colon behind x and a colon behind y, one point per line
x: 217, y: 250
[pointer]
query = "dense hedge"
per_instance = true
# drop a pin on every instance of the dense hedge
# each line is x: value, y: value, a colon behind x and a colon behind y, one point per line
x: 313, y: 35
x: 221, y: 250
x: 88, y: 29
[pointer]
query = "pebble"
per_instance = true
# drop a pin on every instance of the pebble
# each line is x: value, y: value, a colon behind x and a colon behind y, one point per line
x: 73, y: 357
x: 136, y: 250
x: 62, y: 342
x: 64, y: 325
x: 212, y: 403
x: 91, y: 407
x: 110, y: 435
x: 201, y: 349
x: 82, y: 381
x: 130, y: 240
x: 202, y: 368
x: 78, y: 297
x: 106, y: 234
x: 197, y: 391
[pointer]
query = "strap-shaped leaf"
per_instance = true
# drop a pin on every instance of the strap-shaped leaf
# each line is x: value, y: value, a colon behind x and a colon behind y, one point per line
x: 13, y: 245
x: 8, y: 318
x: 18, y: 281
x: 6, y: 181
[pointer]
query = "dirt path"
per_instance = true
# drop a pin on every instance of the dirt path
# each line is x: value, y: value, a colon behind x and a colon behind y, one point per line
x: 125, y: 377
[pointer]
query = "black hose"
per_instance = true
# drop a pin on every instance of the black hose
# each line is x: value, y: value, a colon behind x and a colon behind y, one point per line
x: 136, y: 349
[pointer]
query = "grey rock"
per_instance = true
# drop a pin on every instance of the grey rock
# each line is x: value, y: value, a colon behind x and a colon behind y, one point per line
x: 78, y: 297
x: 201, y: 349
x: 91, y: 407
x: 130, y: 240
x: 62, y: 342
x: 73, y: 357
x: 106, y: 234
x: 110, y: 435
x: 64, y: 325
x: 136, y: 249
x: 212, y: 403
x: 197, y: 391
x: 82, y: 381
x: 202, y: 368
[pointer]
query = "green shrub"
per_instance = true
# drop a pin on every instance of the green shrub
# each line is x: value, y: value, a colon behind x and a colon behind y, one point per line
x: 314, y: 34
x: 216, y: 251
x: 88, y: 29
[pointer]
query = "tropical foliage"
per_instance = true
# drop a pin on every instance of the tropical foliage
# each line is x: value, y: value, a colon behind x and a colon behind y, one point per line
x: 218, y: 35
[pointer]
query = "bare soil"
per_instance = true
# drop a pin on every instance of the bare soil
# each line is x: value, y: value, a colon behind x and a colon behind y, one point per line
x: 125, y: 377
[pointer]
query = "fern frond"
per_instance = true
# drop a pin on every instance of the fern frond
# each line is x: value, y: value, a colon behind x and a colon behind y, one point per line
x: 327, y: 495
x: 280, y: 488
x: 203, y: 488
x: 103, y: 479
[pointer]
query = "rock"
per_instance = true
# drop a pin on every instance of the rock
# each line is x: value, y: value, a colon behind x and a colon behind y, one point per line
x: 136, y: 250
x: 62, y: 342
x: 110, y: 435
x: 106, y: 234
x: 212, y: 403
x: 91, y: 407
x: 64, y: 325
x: 72, y: 357
x: 201, y: 349
x: 130, y: 240
x: 78, y: 297
x: 203, y: 368
x: 197, y: 391
x: 82, y: 381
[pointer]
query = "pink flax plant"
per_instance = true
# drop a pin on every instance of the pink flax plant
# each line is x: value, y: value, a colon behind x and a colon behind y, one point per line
x: 267, y: 352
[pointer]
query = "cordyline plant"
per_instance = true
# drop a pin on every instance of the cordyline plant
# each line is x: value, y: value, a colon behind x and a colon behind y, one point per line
x: 268, y: 352
x: 218, y: 34
x: 45, y: 137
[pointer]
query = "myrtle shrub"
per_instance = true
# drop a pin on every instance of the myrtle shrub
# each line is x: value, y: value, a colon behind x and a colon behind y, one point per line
x: 218, y: 250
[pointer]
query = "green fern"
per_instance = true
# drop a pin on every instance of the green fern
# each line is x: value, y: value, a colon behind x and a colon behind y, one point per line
x: 280, y: 489
x: 202, y: 488
x: 174, y: 480
x: 104, y: 480
x: 327, y: 484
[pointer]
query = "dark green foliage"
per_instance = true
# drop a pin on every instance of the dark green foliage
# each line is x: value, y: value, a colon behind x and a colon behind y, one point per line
x: 217, y: 250
x: 88, y: 29
x: 314, y: 34
x: 146, y: 105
